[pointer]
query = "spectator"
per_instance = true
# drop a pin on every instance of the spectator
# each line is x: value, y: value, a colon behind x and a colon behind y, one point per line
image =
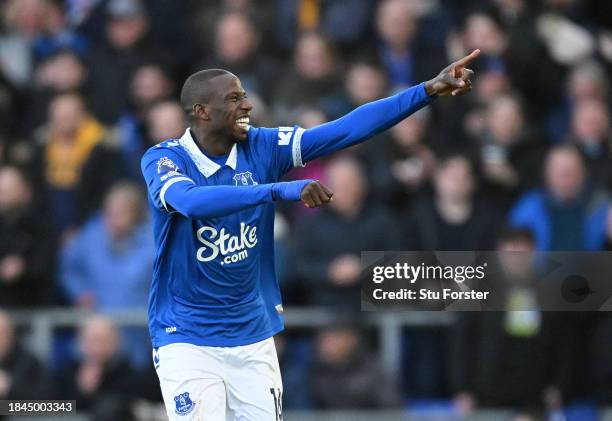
x: 60, y: 72
x: 313, y: 81
x: 26, y: 244
x: 237, y: 42
x: 150, y: 84
x: 100, y: 379
x: 76, y: 160
x: 21, y: 375
x: 365, y: 82
x: 23, y: 20
x: 586, y: 81
x: 402, y: 165
x: 592, y: 135
x: 529, y: 70
x: 491, y: 84
x: 165, y: 120
x: 57, y: 34
x: 262, y: 15
x: 405, y: 62
x: 346, y: 375
x: 510, y: 154
x: 568, y: 212
x: 113, y: 63
x: 454, y: 218
x: 117, y: 242
x: 527, y: 345
x: 329, y: 243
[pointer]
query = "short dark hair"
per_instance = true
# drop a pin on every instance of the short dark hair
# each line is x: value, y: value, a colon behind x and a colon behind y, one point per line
x: 198, y: 89
x: 455, y: 153
x: 516, y: 235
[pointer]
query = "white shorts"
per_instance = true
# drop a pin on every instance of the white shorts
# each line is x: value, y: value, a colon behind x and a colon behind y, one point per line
x: 205, y: 383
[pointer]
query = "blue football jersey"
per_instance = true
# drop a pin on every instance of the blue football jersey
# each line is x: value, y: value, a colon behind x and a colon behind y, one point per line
x: 214, y: 281
x: 213, y: 278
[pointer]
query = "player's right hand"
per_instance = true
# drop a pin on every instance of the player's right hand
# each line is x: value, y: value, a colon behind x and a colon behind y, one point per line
x: 455, y: 79
x: 316, y: 194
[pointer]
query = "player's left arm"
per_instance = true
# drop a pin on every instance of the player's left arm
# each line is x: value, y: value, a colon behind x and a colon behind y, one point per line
x: 375, y: 117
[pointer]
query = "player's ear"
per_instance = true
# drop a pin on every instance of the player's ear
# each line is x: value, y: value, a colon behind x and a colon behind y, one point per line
x: 201, y: 111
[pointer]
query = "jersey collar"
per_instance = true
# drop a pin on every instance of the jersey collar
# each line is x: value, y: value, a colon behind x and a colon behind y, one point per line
x: 206, y: 166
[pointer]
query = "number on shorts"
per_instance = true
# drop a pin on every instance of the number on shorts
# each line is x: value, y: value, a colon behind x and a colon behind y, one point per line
x: 278, y: 403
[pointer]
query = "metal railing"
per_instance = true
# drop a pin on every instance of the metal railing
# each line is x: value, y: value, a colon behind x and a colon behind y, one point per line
x: 41, y: 325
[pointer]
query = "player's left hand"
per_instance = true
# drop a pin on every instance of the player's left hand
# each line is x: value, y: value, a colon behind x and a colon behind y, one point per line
x: 315, y: 194
x: 453, y: 80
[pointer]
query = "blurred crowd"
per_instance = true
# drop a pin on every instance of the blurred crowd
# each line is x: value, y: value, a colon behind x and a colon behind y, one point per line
x: 522, y: 163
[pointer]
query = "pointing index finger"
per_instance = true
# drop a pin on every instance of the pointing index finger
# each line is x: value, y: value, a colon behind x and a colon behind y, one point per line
x: 468, y: 59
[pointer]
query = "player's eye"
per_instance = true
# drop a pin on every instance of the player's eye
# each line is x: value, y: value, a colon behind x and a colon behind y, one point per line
x: 237, y: 98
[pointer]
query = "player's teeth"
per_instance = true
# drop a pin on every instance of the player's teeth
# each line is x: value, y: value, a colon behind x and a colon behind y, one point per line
x: 243, y: 122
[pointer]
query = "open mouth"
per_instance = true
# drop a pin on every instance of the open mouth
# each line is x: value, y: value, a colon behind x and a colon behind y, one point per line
x: 243, y: 122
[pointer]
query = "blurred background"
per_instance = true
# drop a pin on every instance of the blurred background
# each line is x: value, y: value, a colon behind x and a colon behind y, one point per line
x: 522, y: 163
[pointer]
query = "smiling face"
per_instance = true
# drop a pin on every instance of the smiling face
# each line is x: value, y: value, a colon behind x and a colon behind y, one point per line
x: 229, y: 109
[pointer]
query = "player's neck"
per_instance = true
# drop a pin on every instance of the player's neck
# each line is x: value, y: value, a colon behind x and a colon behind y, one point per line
x: 212, y: 143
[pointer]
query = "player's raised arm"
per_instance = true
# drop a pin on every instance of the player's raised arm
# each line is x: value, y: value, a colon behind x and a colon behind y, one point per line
x: 375, y: 117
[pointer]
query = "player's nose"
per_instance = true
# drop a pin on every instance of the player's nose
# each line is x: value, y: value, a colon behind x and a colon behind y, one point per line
x: 246, y: 105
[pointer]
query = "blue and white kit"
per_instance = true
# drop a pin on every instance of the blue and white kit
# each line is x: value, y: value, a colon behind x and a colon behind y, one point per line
x: 214, y: 283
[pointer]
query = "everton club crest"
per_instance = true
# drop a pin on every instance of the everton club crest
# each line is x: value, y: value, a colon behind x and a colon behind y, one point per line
x: 184, y: 404
x: 245, y: 179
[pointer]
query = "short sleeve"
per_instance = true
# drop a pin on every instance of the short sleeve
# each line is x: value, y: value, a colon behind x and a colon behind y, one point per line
x: 162, y: 167
x: 282, y: 147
